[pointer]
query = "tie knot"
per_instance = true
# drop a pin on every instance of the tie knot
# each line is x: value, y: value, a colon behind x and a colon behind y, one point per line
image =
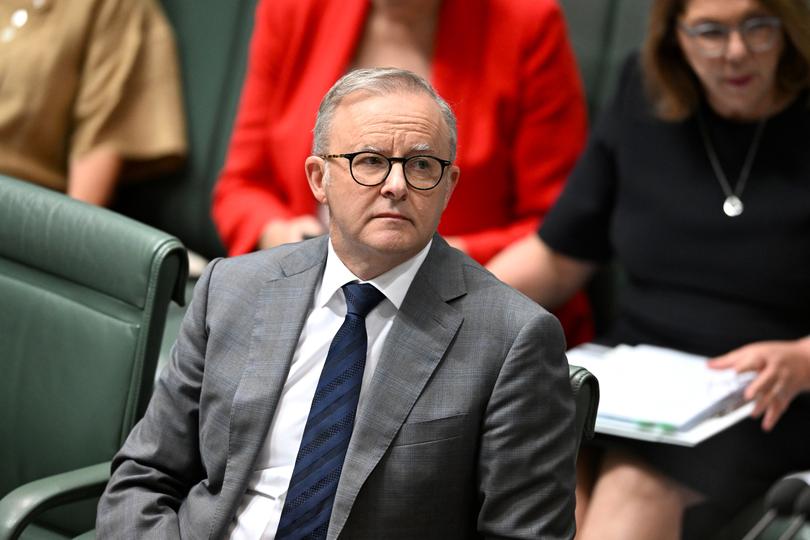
x: 361, y: 298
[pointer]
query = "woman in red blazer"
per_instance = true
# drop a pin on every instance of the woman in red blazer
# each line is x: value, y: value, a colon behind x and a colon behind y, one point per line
x: 505, y: 66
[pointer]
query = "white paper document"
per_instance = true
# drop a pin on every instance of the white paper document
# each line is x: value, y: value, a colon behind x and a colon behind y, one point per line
x: 663, y: 395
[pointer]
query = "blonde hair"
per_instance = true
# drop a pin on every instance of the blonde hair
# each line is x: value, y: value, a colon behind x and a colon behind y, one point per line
x: 673, y: 86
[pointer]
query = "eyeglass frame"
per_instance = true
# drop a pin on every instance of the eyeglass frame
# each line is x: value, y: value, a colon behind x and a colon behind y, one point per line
x: 694, y: 32
x: 391, y: 160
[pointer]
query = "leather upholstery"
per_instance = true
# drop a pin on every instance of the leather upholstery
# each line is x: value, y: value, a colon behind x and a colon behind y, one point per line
x: 212, y: 39
x: 84, y: 293
x: 603, y: 33
x: 585, y: 387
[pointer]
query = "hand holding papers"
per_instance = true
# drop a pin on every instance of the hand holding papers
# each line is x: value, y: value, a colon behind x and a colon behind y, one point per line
x: 659, y: 394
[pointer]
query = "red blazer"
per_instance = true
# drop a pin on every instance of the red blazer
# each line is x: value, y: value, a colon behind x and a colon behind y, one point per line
x: 506, y: 68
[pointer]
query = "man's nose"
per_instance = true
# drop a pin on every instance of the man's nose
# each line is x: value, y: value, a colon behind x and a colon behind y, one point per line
x: 395, y: 185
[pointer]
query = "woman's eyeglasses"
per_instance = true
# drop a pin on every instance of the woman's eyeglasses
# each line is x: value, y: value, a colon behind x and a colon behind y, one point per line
x: 758, y: 33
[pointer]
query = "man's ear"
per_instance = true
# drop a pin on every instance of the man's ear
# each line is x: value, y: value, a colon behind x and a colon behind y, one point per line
x: 453, y: 172
x: 315, y: 168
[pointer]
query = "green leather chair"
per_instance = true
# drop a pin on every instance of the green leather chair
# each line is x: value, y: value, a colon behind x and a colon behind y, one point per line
x: 602, y: 34
x: 83, y: 297
x: 590, y: 25
x: 744, y: 520
x: 629, y: 25
x: 212, y: 40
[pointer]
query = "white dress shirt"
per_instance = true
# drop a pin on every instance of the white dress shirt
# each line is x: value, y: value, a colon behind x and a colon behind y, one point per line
x: 260, y: 510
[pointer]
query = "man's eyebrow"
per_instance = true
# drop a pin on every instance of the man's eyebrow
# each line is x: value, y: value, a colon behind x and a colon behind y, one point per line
x: 415, y: 149
x: 421, y: 147
x: 370, y: 148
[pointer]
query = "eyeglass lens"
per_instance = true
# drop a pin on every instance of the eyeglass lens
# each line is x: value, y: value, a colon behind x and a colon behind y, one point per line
x: 759, y: 34
x: 422, y: 172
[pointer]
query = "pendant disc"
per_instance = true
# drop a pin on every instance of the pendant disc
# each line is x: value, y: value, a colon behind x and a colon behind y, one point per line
x: 733, y: 206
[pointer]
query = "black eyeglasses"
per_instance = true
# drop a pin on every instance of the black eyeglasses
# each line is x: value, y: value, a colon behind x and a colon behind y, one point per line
x: 371, y: 168
x: 758, y: 33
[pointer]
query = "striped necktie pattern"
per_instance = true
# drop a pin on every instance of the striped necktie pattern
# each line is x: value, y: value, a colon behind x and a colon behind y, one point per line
x: 319, y: 462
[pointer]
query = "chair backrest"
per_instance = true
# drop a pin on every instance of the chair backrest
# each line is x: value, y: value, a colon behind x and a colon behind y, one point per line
x: 590, y: 26
x: 628, y: 31
x: 83, y: 297
x: 603, y: 33
x: 585, y: 387
x: 212, y: 39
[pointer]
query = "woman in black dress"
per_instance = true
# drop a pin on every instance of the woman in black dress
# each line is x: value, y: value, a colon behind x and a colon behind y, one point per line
x: 697, y: 181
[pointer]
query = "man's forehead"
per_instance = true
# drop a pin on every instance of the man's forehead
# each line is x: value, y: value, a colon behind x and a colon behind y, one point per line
x: 368, y: 94
x: 409, y: 114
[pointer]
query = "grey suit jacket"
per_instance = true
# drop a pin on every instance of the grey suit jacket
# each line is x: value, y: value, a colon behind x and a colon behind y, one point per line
x: 466, y: 430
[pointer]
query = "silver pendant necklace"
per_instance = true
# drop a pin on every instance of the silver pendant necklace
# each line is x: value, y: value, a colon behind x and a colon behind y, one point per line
x: 733, y: 205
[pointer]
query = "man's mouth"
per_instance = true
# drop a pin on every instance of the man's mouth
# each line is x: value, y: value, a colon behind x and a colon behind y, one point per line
x: 391, y: 215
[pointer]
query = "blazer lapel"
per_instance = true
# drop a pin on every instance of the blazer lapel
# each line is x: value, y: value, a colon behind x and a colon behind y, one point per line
x: 421, y: 334
x: 283, y: 305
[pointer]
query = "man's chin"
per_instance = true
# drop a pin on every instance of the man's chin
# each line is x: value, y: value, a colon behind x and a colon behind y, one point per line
x: 395, y: 243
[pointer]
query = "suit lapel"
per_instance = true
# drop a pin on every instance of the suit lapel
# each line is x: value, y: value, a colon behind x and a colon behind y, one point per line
x: 282, y: 308
x: 422, y: 332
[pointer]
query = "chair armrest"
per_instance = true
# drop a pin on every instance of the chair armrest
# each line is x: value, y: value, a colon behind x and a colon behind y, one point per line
x: 585, y: 388
x: 19, y: 507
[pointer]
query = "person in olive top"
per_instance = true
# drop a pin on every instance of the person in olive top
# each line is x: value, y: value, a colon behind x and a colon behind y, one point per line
x: 89, y: 95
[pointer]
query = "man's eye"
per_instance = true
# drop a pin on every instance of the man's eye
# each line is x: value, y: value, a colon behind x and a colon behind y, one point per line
x: 370, y: 161
x: 420, y: 163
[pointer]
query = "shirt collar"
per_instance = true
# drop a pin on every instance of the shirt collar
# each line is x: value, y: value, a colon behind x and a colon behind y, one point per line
x: 394, y: 284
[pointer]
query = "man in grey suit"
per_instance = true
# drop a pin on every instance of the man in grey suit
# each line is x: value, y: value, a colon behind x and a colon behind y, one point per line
x: 464, y: 425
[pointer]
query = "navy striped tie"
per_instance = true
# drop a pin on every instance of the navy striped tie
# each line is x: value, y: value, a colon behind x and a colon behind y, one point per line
x: 311, y: 494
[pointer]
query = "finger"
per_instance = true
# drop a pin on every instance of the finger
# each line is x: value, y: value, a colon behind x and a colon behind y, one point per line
x: 310, y: 220
x: 762, y: 384
x: 773, y: 413
x: 760, y: 406
x: 311, y: 228
x: 750, y: 362
x: 777, y: 391
x: 300, y: 230
x: 722, y: 362
x: 740, y: 360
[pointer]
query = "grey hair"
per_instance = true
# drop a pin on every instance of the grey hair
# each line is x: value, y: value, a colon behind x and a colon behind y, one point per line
x: 376, y: 81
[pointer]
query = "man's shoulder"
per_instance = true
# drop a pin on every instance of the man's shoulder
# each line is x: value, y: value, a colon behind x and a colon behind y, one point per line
x: 267, y: 264
x: 492, y: 310
x: 488, y: 294
x: 482, y: 280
